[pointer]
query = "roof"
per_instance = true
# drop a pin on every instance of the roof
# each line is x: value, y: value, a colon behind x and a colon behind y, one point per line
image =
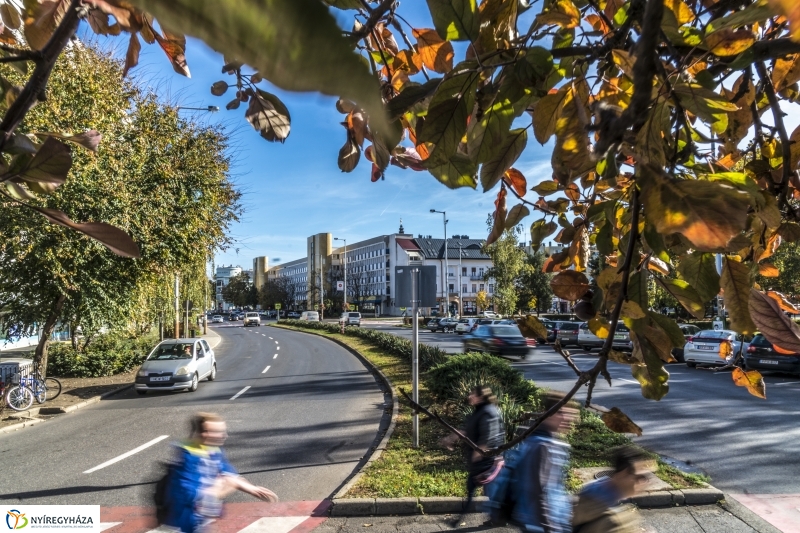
x: 434, y: 248
x: 408, y: 244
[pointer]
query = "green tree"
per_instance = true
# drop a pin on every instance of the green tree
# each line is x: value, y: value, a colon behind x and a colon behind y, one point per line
x: 786, y: 263
x: 239, y: 291
x: 533, y: 284
x: 508, y: 262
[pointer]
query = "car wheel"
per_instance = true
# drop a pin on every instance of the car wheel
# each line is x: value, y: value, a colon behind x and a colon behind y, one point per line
x: 587, y: 348
x: 195, y: 382
x: 213, y: 375
x: 142, y: 392
x: 691, y: 365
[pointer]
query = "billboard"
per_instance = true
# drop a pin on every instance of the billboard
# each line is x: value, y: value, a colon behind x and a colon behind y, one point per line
x: 426, y: 285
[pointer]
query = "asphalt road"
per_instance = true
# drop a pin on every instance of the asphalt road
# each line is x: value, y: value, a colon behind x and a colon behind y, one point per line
x: 299, y: 429
x: 747, y: 445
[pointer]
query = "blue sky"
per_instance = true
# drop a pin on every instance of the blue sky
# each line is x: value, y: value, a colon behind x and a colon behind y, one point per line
x: 295, y: 189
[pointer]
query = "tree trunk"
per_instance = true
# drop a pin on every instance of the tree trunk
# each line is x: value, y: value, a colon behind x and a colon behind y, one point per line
x: 44, y: 341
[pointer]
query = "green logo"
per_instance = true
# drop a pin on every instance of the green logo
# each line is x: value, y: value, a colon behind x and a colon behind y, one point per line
x: 16, y: 519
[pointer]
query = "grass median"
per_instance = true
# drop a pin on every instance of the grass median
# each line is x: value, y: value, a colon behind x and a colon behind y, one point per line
x: 430, y: 470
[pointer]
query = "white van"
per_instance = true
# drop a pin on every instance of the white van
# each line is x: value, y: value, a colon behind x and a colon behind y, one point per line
x: 311, y: 316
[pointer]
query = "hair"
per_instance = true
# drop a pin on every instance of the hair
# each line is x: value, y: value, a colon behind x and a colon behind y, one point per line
x: 198, y: 421
x: 625, y: 458
x: 484, y: 393
x: 552, y: 397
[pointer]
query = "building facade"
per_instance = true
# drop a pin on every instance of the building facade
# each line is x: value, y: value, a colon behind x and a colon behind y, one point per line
x: 221, y: 278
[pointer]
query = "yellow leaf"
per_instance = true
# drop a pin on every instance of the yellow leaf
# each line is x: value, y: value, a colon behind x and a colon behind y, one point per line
x: 783, y: 303
x: 600, y: 327
x: 683, y: 13
x: 791, y: 10
x: 725, y: 350
x: 632, y: 310
x: 531, y: 327
x: 737, y: 283
x: 768, y: 270
x: 727, y: 42
x: 657, y: 265
x: 752, y: 380
x: 436, y: 54
x: 561, y: 13
x: 618, y: 422
x: 546, y: 113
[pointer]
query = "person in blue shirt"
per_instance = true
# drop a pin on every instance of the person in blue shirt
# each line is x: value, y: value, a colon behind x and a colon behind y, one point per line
x: 202, y: 477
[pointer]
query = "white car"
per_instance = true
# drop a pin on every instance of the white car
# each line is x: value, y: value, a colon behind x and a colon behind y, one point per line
x: 465, y: 325
x: 588, y: 340
x: 176, y: 364
x: 350, y: 318
x: 217, y: 319
x: 704, y: 347
x: 490, y: 314
x: 252, y: 319
x: 312, y: 316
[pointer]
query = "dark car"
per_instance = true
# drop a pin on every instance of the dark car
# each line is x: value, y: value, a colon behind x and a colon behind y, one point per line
x: 761, y: 355
x: 688, y: 331
x: 497, y: 340
x: 567, y: 333
x: 433, y: 324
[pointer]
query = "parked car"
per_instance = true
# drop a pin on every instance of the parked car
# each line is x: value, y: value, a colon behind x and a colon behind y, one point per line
x: 588, y: 340
x: 761, y: 355
x: 496, y: 339
x: 217, y: 319
x: 689, y: 331
x: 489, y: 314
x: 252, y: 319
x: 176, y: 364
x: 704, y: 347
x: 465, y: 325
x: 567, y: 333
x: 443, y: 324
x: 293, y: 314
x: 350, y: 318
x: 311, y: 316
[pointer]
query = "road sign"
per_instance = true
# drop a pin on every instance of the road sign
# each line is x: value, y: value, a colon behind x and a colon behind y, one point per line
x: 340, y: 285
x: 277, y: 307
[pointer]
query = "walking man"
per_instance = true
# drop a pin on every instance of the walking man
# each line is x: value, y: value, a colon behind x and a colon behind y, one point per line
x: 202, y: 477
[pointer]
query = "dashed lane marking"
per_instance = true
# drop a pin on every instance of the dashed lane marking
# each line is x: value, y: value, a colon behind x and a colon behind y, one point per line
x: 275, y: 356
x: 126, y: 454
x: 265, y: 370
x: 240, y: 393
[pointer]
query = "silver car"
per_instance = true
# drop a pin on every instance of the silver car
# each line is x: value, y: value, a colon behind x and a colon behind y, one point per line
x: 176, y: 364
x: 704, y: 348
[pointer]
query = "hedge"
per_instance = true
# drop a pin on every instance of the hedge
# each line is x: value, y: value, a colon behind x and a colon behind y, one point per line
x: 108, y: 354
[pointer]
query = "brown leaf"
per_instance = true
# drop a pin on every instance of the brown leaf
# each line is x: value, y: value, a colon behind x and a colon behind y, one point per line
x: 499, y: 216
x: 737, y: 283
x: 349, y: 155
x: 50, y: 164
x: 726, y: 350
x: 89, y: 139
x: 728, y: 42
x: 570, y: 285
x: 111, y: 237
x: 772, y: 322
x: 782, y: 301
x: 516, y: 180
x: 436, y: 54
x: 358, y: 125
x: 768, y: 270
x: 632, y: 310
x: 515, y: 215
x: 531, y: 327
x: 10, y: 16
x: 132, y: 55
x: 557, y: 262
x: 791, y: 10
x: 344, y: 106
x: 752, y: 380
x: 618, y: 422
x: 269, y: 116
x: 174, y: 45
x: 41, y: 20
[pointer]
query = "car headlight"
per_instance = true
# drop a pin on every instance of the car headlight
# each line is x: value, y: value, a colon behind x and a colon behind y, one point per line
x: 142, y: 372
x: 182, y: 371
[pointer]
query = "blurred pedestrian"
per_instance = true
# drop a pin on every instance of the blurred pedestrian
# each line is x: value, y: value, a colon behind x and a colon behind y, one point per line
x: 599, y: 508
x: 202, y: 477
x: 484, y: 427
x: 542, y: 503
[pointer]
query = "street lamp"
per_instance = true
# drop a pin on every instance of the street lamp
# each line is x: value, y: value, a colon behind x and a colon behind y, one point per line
x: 344, y: 305
x: 445, y: 288
x: 210, y: 108
x: 460, y: 286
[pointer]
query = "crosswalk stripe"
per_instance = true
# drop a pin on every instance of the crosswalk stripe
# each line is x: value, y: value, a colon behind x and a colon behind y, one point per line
x: 274, y: 524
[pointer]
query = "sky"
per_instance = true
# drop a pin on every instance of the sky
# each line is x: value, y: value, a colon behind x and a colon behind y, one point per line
x: 294, y: 190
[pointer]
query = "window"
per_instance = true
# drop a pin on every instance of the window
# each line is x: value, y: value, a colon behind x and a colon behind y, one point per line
x: 481, y: 287
x: 464, y: 289
x: 473, y: 271
x: 491, y: 288
x: 450, y: 287
x: 480, y: 271
x: 463, y: 271
x: 473, y: 287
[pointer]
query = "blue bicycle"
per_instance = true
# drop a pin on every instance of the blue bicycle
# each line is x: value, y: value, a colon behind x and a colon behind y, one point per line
x: 20, y: 396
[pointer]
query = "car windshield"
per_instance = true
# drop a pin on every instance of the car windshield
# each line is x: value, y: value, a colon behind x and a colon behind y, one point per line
x: 506, y: 331
x: 354, y: 315
x: 713, y: 336
x: 252, y: 315
x: 760, y: 341
x: 464, y: 321
x: 171, y: 351
x: 569, y: 325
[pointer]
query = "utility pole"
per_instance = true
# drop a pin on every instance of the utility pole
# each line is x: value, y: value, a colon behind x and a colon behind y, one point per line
x: 344, y: 305
x: 415, y: 353
x: 446, y: 288
x: 177, y: 305
x: 460, y: 287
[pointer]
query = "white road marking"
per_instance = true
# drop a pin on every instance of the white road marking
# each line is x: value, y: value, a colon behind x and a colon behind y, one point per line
x: 108, y: 525
x: 275, y: 356
x: 265, y: 370
x: 277, y: 347
x: 126, y: 454
x: 276, y: 342
x: 240, y: 393
x: 274, y: 524
x: 785, y: 383
x: 263, y: 334
x: 627, y: 380
x: 270, y: 338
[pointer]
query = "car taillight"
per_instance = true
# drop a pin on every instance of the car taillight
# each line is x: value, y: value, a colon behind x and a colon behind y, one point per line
x: 751, y: 349
x: 531, y: 342
x: 690, y: 339
x: 498, y: 342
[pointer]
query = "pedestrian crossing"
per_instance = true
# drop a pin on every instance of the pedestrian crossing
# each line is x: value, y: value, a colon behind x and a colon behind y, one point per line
x: 780, y: 510
x: 250, y: 517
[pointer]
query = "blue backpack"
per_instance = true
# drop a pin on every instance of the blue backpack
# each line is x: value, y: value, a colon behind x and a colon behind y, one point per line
x: 501, y: 491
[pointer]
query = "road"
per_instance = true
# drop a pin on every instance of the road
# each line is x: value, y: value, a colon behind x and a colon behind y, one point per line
x: 746, y: 445
x: 301, y: 413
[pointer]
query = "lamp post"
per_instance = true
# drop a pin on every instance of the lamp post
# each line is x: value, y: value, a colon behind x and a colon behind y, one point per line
x: 210, y: 108
x: 445, y: 287
x: 344, y: 305
x: 460, y: 286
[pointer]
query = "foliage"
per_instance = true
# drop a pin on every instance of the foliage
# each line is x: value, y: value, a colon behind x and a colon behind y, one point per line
x: 107, y: 355
x: 533, y: 285
x: 278, y: 290
x: 482, y: 300
x: 240, y: 291
x: 508, y: 261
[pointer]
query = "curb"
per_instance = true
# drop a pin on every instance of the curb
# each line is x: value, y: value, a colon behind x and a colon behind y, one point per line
x: 62, y: 410
x: 378, y: 450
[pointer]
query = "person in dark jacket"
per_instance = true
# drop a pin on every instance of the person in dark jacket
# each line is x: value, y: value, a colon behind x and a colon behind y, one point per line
x: 484, y: 427
x: 202, y: 477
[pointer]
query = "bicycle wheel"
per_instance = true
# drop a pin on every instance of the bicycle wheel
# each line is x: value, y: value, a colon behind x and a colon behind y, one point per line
x: 53, y: 388
x: 39, y: 390
x: 19, y: 398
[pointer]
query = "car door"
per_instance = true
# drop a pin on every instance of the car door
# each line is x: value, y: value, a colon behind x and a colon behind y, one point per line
x: 209, y: 353
x: 202, y: 361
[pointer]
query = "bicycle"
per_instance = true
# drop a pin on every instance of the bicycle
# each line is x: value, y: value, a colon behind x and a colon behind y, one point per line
x: 20, y: 397
x: 47, y: 388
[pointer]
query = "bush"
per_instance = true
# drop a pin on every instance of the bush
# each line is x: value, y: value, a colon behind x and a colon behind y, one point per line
x: 452, y: 379
x: 108, y: 354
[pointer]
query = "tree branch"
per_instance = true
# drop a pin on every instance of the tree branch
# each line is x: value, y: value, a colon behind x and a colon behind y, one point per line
x: 374, y: 16
x: 777, y: 115
x: 563, y: 353
x: 35, y: 87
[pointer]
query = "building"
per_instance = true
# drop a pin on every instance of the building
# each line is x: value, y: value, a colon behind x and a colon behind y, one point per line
x: 260, y: 268
x: 222, y: 276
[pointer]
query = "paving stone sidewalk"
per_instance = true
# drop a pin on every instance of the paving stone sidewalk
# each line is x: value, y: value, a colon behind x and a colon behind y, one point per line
x: 726, y: 518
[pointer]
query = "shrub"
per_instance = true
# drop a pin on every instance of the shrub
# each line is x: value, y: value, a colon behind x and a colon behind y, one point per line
x: 108, y: 354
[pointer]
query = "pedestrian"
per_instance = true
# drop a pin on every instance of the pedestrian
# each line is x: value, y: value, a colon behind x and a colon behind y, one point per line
x: 484, y: 427
x: 542, y: 503
x: 599, y: 508
x: 202, y: 477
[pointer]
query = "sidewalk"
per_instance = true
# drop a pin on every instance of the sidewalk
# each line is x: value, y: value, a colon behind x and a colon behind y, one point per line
x: 725, y: 518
